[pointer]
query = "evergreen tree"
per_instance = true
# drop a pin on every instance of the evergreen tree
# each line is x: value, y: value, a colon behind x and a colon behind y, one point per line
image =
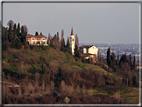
x: 40, y: 33
x: 62, y: 40
x: 10, y: 36
x: 36, y: 33
x: 113, y: 59
x: 6, y: 35
x: 23, y: 35
x: 108, y: 56
x: 15, y: 32
x: 18, y: 30
x: 15, y: 27
x: 117, y: 62
x: 76, y: 52
x: 25, y: 28
x: 68, y: 45
x: 134, y: 63
x: 130, y: 59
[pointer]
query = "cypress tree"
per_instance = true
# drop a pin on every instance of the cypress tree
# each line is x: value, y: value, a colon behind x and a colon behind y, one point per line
x: 36, y: 33
x: 76, y: 52
x: 6, y: 35
x: 15, y: 33
x: 113, y: 59
x: 40, y: 33
x: 108, y: 56
x: 130, y: 59
x: 134, y: 63
x: 18, y: 30
x: 68, y: 45
x: 62, y: 40
x: 117, y: 62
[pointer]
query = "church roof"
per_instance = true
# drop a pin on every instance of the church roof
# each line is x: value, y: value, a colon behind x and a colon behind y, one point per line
x: 72, y: 31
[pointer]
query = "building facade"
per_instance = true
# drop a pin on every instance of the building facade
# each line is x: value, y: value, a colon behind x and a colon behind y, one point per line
x: 36, y: 40
x: 86, y: 51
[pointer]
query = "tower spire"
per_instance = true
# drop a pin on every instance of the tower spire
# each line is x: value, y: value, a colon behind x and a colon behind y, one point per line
x: 72, y: 31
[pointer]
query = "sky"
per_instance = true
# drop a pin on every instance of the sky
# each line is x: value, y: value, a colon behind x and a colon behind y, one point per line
x: 112, y: 23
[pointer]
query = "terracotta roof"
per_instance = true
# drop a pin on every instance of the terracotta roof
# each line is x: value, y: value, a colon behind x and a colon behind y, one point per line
x: 86, y: 46
x: 72, y: 31
x: 38, y: 36
x: 29, y: 36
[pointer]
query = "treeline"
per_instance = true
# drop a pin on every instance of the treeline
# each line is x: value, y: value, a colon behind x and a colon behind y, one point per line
x: 120, y: 62
x: 59, y: 44
x: 14, y: 36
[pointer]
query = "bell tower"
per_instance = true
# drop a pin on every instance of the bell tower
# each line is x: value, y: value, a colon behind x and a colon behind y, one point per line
x: 72, y: 42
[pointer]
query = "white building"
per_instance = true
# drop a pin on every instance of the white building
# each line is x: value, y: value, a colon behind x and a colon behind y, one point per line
x: 36, y: 40
x: 88, y: 51
x: 85, y: 50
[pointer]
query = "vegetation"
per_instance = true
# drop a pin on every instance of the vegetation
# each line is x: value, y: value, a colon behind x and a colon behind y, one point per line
x: 48, y: 74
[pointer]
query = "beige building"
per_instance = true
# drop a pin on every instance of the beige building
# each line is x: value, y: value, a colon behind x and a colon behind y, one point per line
x: 36, y: 40
x: 88, y: 51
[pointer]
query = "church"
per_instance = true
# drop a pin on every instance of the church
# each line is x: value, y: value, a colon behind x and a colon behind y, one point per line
x: 86, y: 51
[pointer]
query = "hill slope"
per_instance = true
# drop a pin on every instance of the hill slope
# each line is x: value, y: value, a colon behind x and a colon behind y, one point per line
x: 41, y: 72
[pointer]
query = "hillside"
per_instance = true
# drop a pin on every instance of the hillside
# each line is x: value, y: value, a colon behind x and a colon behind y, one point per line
x: 49, y: 73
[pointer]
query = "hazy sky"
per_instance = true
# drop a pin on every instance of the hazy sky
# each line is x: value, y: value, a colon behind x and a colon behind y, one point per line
x: 92, y: 22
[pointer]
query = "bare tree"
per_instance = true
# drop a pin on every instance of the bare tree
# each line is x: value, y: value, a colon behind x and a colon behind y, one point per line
x: 49, y: 39
x: 10, y: 21
x: 56, y: 43
x: 76, y: 41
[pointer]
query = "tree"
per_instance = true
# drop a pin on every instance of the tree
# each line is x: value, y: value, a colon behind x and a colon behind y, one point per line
x: 40, y: 33
x: 113, y: 59
x: 10, y: 22
x: 10, y: 36
x: 25, y: 28
x: 16, y: 43
x: 68, y: 45
x: 117, y: 61
x: 56, y: 42
x: 49, y: 39
x: 76, y: 52
x: 62, y: 40
x: 108, y: 56
x: 134, y: 63
x: 18, y: 30
x: 130, y: 59
x: 76, y: 41
x: 15, y: 32
x: 6, y: 35
x: 23, y: 35
x: 36, y: 33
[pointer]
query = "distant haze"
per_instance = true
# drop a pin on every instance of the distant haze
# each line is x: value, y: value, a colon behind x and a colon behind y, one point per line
x: 115, y: 23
